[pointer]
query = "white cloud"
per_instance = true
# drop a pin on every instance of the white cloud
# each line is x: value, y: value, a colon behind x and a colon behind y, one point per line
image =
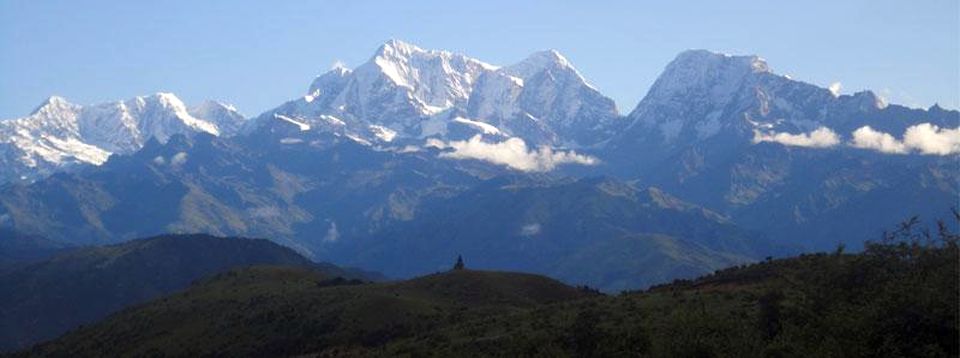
x: 822, y: 137
x: 835, y: 88
x: 530, y: 229
x: 512, y: 152
x: 332, y: 233
x: 868, y: 138
x: 178, y: 159
x: 930, y: 139
x: 924, y: 138
x: 158, y: 160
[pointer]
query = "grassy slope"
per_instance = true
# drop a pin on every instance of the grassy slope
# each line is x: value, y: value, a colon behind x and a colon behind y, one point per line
x: 896, y: 299
x: 45, y: 299
x: 277, y: 311
x: 890, y: 301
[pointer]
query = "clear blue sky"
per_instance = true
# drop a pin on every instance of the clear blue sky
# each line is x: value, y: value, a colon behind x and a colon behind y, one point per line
x: 257, y: 54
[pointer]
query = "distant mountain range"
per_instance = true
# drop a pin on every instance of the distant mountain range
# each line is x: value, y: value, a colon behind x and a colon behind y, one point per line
x: 403, y: 213
x: 417, y: 155
x: 599, y: 231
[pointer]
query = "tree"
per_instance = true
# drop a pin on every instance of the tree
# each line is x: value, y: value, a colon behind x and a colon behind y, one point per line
x: 459, y: 264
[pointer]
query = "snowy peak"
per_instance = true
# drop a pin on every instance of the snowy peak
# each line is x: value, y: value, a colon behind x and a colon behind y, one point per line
x: 211, y: 106
x: 436, y: 80
x: 54, y: 116
x: 161, y: 102
x: 162, y: 115
x: 551, y: 56
x: 398, y: 88
x: 694, y: 70
x: 416, y: 92
x: 703, y: 94
x: 394, y: 48
x: 402, y: 52
x: 340, y: 69
x: 865, y: 101
x: 53, y: 105
x: 58, y: 134
x: 706, y: 58
x: 225, y: 117
x: 166, y: 99
x: 539, y: 62
x: 330, y: 83
x: 554, y: 94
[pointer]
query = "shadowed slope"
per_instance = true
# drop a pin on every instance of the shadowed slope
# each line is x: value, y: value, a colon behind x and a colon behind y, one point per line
x: 45, y: 299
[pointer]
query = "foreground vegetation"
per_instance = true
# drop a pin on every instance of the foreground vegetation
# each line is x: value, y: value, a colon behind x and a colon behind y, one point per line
x: 898, y: 297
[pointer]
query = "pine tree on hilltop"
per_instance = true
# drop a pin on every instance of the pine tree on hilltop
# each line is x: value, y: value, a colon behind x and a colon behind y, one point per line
x: 459, y: 264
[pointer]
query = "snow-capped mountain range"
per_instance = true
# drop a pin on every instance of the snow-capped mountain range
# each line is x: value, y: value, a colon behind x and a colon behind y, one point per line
x: 414, y: 148
x: 705, y: 98
x: 407, y: 93
x: 59, y: 135
x: 701, y: 93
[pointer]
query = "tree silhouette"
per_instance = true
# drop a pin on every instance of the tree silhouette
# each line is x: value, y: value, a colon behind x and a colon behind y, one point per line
x: 459, y: 264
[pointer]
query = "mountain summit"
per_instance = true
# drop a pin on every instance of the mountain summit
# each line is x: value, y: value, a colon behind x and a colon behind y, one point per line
x: 59, y: 135
x: 701, y: 94
x: 413, y: 93
x: 785, y: 156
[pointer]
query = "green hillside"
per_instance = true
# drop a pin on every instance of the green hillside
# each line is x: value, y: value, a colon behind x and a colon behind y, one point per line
x: 44, y: 299
x: 897, y: 298
x: 281, y: 311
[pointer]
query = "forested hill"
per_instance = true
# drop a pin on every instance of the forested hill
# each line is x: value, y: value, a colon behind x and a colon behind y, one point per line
x: 897, y: 298
x: 44, y: 299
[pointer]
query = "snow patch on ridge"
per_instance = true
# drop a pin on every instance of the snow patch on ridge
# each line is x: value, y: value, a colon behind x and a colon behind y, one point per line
x: 383, y: 133
x: 332, y: 120
x: 486, y: 128
x: 835, y: 88
x: 58, y: 151
x: 303, y: 126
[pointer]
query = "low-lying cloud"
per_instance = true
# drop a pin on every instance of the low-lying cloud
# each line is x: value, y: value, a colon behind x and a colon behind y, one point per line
x: 530, y: 229
x: 924, y: 138
x: 868, y: 138
x: 930, y: 139
x: 332, y: 233
x: 822, y: 137
x: 512, y: 152
x: 175, y: 160
x: 178, y: 159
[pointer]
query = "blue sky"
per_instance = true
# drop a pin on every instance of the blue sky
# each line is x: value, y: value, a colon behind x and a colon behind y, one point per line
x: 257, y: 54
